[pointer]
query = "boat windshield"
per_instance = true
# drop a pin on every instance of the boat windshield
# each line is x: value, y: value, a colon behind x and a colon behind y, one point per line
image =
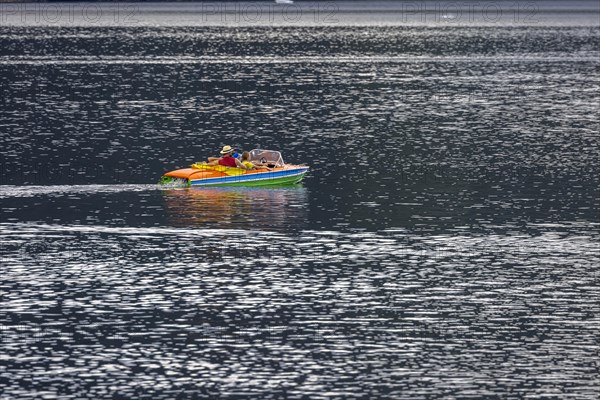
x: 266, y: 157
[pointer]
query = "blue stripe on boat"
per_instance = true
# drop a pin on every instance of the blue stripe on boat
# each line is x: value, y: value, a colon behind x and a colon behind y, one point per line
x: 261, y: 176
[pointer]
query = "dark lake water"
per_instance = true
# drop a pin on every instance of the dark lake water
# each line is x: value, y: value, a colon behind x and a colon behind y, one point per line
x: 446, y: 242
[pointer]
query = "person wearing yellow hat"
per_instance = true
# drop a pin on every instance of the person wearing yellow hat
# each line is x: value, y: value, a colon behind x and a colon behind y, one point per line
x: 226, y: 159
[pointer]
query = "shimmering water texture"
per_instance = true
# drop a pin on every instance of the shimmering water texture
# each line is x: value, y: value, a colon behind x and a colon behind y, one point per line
x: 166, y: 312
x: 445, y: 243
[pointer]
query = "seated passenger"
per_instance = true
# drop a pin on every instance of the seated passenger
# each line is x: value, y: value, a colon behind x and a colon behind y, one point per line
x: 227, y: 160
x: 215, y: 160
x: 249, y: 164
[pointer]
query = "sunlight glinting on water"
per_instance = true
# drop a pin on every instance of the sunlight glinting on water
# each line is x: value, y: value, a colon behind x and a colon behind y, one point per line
x: 445, y: 242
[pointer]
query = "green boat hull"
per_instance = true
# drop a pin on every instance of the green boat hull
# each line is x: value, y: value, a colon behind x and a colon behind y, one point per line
x: 282, y: 181
x: 286, y: 180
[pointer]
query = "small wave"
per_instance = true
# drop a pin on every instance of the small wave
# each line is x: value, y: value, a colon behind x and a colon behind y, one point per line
x: 241, y: 60
x: 7, y: 191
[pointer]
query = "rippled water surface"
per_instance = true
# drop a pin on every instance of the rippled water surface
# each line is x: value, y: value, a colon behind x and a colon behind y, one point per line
x: 445, y: 243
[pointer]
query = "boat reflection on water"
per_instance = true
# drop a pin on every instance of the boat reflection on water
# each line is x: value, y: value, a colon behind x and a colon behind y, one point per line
x: 273, y: 208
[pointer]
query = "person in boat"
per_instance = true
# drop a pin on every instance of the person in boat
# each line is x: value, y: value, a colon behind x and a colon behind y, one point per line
x: 215, y: 160
x: 249, y: 164
x: 227, y: 159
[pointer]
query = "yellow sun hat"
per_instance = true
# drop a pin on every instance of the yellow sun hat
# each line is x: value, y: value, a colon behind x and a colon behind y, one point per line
x: 226, y: 149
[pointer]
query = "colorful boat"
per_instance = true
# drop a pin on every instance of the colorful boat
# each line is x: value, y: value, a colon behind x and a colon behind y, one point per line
x: 201, y: 174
